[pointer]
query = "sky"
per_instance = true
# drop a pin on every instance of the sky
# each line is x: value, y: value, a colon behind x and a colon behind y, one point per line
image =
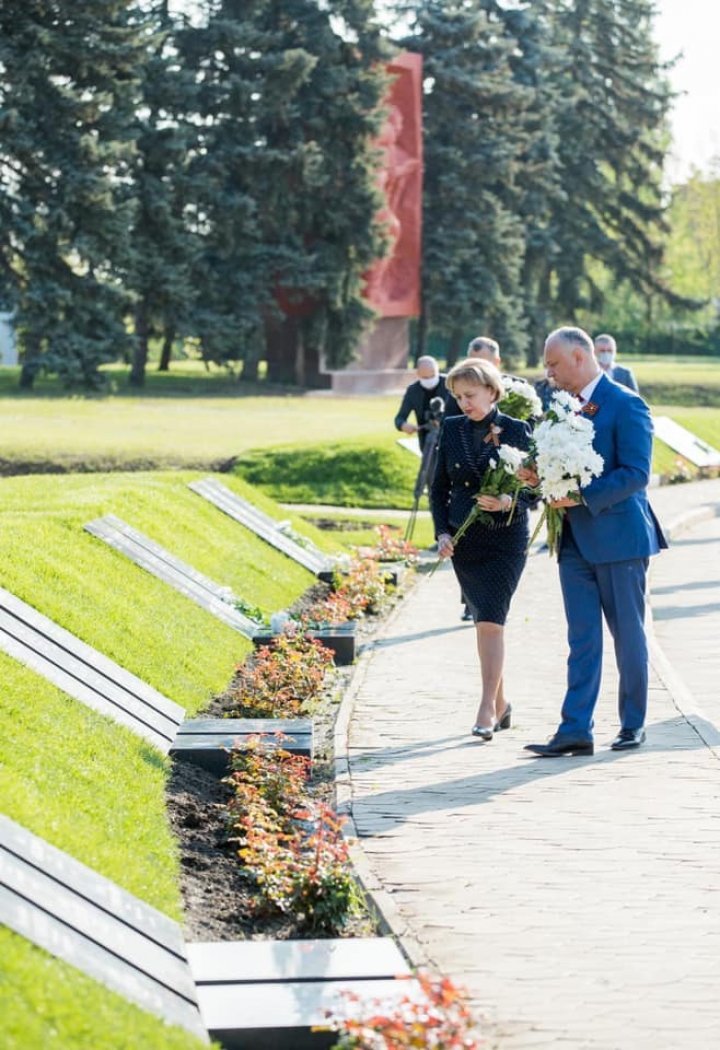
x: 693, y: 28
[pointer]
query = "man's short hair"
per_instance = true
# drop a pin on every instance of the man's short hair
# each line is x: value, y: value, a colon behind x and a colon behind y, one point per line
x: 477, y: 371
x: 426, y: 359
x: 571, y: 336
x: 607, y: 340
x: 483, y: 342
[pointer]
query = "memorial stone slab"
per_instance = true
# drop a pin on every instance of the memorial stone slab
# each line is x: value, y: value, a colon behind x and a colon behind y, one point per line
x: 268, y: 995
x: 206, y: 742
x: 211, y: 596
x: 91, y: 923
x: 685, y: 442
x: 341, y: 640
x: 85, y: 674
x: 410, y: 444
x: 264, y: 526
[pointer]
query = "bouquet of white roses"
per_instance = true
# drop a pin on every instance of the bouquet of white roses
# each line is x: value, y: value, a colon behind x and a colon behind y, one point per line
x: 564, y: 460
x: 519, y: 400
x: 499, y: 479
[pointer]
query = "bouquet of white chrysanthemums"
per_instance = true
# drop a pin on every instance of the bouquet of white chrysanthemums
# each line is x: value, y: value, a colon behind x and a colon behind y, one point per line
x: 564, y: 459
x: 500, y: 479
x: 519, y: 400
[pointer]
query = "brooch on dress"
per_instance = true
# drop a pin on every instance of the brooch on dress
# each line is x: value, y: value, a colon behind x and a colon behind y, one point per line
x: 494, y: 433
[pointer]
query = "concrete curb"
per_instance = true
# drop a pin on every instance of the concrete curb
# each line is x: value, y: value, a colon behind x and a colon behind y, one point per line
x: 681, y: 696
x: 379, y: 898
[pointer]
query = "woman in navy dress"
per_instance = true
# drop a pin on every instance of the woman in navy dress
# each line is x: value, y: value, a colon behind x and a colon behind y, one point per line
x: 488, y: 559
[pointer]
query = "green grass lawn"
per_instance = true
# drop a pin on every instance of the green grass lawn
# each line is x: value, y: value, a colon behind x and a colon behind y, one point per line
x: 200, y: 423
x: 191, y: 418
x: 47, y: 1005
x: 359, y: 532
x: 74, y: 777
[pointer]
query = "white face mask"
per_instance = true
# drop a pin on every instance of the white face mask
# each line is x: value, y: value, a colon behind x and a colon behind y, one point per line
x: 604, y: 358
x: 430, y: 384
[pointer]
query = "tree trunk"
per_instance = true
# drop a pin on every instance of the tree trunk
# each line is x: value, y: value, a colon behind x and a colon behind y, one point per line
x: 281, y: 340
x: 140, y: 353
x: 30, y: 364
x: 167, y: 348
x: 250, y: 368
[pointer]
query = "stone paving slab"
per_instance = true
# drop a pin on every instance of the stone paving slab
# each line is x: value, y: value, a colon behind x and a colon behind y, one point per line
x: 577, y: 899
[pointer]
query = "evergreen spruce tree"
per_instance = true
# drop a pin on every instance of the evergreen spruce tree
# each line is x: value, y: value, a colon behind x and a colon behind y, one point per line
x: 538, y: 193
x: 613, y: 136
x: 475, y: 138
x: 164, y: 246
x: 287, y: 106
x: 67, y: 94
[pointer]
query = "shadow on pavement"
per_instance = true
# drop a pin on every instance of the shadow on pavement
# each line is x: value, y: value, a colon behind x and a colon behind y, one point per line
x: 401, y: 639
x: 392, y: 808
x: 685, y: 612
x: 694, y: 585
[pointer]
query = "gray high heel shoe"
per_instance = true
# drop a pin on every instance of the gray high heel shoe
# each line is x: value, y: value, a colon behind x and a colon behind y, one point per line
x: 482, y: 732
x: 506, y: 721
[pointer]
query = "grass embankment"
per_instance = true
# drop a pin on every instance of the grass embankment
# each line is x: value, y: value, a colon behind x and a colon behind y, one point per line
x: 355, y: 531
x: 347, y: 451
x: 87, y: 785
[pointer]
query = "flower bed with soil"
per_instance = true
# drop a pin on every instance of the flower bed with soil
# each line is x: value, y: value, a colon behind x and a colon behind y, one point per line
x: 240, y: 880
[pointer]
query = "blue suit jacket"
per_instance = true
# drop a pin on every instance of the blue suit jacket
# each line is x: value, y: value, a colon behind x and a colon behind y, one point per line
x: 615, y: 522
x: 624, y: 376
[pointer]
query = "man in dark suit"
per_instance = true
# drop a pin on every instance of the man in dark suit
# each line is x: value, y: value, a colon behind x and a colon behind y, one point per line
x: 606, y: 354
x: 609, y: 533
x: 430, y: 383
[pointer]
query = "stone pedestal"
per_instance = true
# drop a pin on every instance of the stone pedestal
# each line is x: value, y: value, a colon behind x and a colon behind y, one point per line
x: 382, y: 361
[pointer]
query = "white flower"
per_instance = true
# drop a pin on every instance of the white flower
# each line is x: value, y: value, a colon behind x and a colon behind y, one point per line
x: 564, y: 400
x: 512, y: 458
x: 522, y: 389
x: 279, y: 621
x: 565, y: 457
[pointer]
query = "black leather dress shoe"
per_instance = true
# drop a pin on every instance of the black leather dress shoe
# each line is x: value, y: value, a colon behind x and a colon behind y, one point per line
x: 561, y: 745
x: 627, y: 739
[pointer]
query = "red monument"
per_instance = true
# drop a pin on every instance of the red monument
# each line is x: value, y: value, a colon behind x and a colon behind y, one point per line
x: 393, y: 282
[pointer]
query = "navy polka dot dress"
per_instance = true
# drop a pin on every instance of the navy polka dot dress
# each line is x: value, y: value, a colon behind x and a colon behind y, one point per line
x: 488, y: 559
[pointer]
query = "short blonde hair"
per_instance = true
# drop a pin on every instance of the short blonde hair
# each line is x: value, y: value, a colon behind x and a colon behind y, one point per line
x: 479, y: 372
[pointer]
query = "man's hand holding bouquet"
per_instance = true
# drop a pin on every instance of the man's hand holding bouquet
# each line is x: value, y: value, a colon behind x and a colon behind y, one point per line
x: 562, y: 462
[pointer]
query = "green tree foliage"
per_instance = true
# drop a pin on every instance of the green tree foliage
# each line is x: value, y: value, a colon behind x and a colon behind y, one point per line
x: 611, y: 122
x: 164, y: 244
x: 67, y: 94
x: 538, y: 193
x: 693, y: 256
x: 286, y: 106
x: 475, y: 136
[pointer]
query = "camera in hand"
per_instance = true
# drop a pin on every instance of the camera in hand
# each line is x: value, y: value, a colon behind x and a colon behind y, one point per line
x: 434, y: 412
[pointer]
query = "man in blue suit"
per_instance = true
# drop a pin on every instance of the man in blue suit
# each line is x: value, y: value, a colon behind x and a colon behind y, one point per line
x: 606, y: 354
x: 608, y: 537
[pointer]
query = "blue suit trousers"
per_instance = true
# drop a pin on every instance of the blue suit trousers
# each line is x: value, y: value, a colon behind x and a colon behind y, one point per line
x: 617, y: 590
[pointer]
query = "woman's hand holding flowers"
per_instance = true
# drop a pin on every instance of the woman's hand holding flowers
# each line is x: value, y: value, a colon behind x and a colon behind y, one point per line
x: 494, y: 504
x: 446, y: 548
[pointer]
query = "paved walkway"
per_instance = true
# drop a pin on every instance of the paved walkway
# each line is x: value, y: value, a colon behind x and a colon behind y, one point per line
x: 577, y: 899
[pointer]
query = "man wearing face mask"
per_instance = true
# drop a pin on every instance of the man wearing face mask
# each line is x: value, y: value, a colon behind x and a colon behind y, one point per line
x: 430, y: 383
x: 605, y: 354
